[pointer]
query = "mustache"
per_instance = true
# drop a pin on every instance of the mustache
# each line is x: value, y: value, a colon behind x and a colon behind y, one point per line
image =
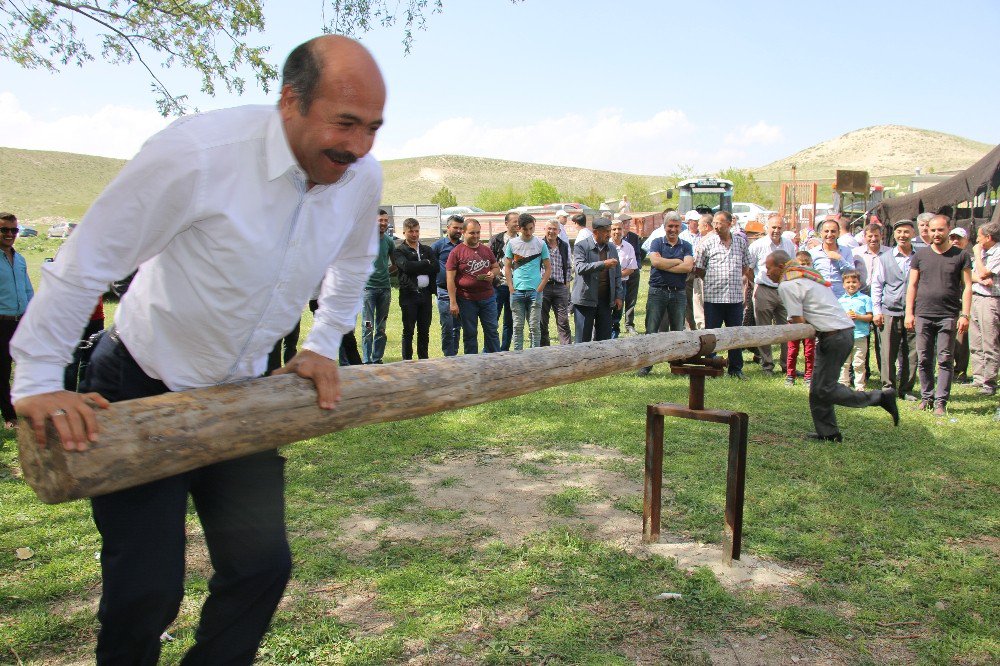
x: 341, y: 155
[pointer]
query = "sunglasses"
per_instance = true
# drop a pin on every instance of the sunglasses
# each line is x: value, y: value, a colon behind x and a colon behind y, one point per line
x: 9, y: 231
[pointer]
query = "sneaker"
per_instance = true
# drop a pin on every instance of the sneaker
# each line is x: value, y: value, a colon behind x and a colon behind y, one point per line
x: 987, y: 390
x: 631, y: 330
x: 789, y: 381
x: 909, y: 397
x: 808, y: 381
x: 939, y: 410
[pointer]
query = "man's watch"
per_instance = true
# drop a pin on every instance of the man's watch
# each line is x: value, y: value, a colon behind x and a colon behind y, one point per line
x: 963, y: 315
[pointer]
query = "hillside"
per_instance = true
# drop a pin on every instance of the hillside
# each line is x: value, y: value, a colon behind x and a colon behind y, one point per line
x: 882, y: 150
x: 36, y: 183
x: 418, y: 178
x: 42, y: 183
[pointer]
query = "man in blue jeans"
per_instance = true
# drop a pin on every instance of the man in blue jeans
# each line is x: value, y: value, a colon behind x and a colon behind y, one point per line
x: 377, y: 296
x: 671, y: 259
x: 497, y: 244
x: 451, y: 327
x: 722, y: 261
x: 471, y: 271
x: 526, y: 270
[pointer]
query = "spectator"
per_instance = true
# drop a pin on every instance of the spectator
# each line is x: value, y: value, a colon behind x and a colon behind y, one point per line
x: 497, y: 244
x: 864, y: 260
x: 629, y: 266
x: 722, y: 261
x: 858, y: 307
x: 808, y: 346
x: 555, y: 298
x: 561, y: 217
x: 597, y: 288
x: 471, y: 270
x: 418, y: 267
x: 582, y: 232
x: 767, y: 306
x: 632, y: 287
x: 960, y: 239
x: 938, y: 301
x: 526, y: 269
x: 889, y: 281
x: 923, y: 238
x: 830, y: 259
x: 671, y: 260
x: 984, y: 330
x: 15, y: 293
x: 809, y: 300
x: 450, y: 326
x: 624, y: 206
x: 377, y: 297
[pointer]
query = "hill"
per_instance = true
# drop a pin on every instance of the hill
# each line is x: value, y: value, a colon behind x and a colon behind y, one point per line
x: 43, y: 183
x: 37, y: 183
x: 882, y: 151
x: 418, y: 178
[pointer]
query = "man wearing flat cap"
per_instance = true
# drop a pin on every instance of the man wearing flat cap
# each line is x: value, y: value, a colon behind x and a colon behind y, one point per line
x: 889, y: 279
x: 598, y: 288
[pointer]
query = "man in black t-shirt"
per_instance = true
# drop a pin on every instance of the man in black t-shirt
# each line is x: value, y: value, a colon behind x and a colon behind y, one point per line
x: 938, y: 302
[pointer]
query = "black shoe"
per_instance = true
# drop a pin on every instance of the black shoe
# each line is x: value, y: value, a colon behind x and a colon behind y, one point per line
x: 825, y: 438
x: 642, y: 372
x: 888, y: 403
x: 737, y: 375
x: 962, y: 379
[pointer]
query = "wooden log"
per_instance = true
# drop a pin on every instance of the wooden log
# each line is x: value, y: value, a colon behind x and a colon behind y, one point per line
x: 153, y: 438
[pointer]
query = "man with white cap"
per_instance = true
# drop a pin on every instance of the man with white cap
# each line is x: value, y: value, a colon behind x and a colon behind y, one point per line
x: 561, y: 217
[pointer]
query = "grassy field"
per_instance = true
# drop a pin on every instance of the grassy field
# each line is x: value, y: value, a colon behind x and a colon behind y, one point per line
x: 508, y: 534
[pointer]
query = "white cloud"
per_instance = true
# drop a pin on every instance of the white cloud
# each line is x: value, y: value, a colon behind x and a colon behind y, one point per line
x: 760, y: 134
x: 111, y: 131
x: 603, y: 139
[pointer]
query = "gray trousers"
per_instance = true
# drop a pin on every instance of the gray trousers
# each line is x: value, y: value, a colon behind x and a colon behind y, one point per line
x: 898, y: 345
x: 984, y: 339
x: 832, y: 351
x: 938, y: 333
x: 768, y: 310
x: 555, y: 298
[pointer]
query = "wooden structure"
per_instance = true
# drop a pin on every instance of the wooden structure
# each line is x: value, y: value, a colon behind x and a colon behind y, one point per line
x: 153, y: 438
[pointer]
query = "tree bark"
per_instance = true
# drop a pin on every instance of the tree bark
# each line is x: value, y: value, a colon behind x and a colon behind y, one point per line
x: 153, y: 438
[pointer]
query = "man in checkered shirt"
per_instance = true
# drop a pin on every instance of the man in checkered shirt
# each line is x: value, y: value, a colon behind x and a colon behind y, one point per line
x: 722, y: 261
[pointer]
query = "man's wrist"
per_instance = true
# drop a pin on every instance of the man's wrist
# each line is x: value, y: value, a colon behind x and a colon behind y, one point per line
x: 963, y: 316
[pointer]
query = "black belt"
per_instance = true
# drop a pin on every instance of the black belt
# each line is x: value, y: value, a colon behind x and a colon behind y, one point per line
x: 10, y: 317
x: 826, y: 334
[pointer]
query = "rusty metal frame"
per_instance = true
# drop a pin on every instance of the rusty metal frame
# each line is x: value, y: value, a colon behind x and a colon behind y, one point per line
x: 697, y: 369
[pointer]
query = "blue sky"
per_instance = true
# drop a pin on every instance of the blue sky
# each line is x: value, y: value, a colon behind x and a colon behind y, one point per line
x: 638, y: 85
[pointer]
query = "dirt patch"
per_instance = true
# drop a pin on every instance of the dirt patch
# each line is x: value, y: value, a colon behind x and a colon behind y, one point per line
x: 780, y: 647
x: 508, y: 497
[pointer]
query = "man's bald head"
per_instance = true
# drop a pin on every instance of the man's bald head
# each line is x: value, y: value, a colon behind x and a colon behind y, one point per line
x: 308, y: 61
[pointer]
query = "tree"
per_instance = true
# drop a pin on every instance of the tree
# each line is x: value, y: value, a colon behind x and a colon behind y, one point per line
x: 593, y: 198
x: 208, y: 36
x: 745, y: 187
x: 444, y: 198
x: 541, y: 192
x: 500, y: 200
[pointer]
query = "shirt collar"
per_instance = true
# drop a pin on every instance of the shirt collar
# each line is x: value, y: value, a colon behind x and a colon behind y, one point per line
x: 279, y: 157
x: 897, y: 253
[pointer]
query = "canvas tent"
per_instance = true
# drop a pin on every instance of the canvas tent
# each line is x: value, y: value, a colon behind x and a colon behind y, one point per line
x: 965, y: 197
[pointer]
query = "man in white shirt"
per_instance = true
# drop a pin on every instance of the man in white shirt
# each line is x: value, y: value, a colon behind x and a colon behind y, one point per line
x: 768, y: 309
x: 808, y: 301
x: 233, y: 217
x: 626, y: 257
x: 582, y: 232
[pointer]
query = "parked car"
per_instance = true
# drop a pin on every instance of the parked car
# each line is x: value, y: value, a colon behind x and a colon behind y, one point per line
x: 26, y: 232
x: 62, y: 230
x: 746, y: 212
x: 459, y: 210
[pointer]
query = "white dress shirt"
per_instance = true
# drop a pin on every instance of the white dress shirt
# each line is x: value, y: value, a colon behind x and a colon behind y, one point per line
x: 626, y: 257
x: 583, y: 233
x: 760, y: 250
x: 230, y: 244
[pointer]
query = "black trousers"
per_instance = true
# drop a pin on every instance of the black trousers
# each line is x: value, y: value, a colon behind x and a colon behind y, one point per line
x: 241, y: 507
x: 7, y: 329
x: 898, y: 344
x: 417, y: 309
x: 825, y: 391
x: 592, y: 322
x: 631, y: 297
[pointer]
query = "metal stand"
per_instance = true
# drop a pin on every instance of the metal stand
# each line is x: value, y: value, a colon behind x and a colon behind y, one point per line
x: 697, y: 369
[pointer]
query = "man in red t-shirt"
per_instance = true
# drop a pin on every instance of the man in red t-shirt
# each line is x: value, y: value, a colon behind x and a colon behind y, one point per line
x: 471, y: 268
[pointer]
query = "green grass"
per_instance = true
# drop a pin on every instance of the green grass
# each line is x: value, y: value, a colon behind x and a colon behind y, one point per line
x: 893, y: 526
